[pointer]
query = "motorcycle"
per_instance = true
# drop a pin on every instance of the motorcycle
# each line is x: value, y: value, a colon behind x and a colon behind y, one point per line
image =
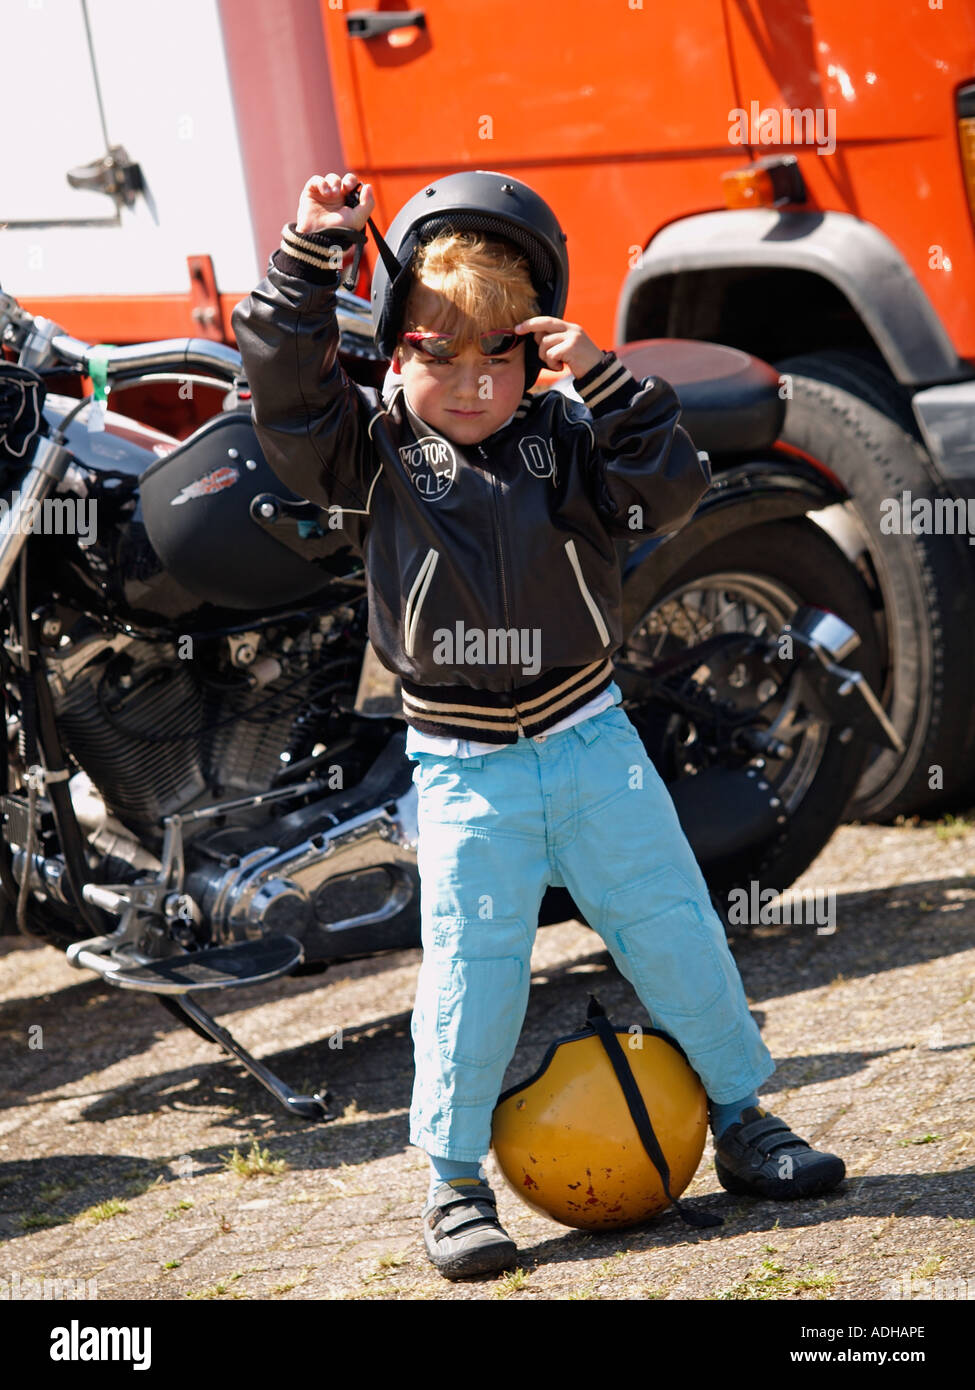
x: 205, y: 784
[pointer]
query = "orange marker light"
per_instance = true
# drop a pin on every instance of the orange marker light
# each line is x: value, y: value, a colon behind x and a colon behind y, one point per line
x: 772, y: 182
x: 748, y: 188
x: 966, y: 139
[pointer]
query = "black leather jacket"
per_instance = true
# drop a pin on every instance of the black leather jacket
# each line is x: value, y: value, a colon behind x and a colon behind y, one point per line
x: 491, y: 567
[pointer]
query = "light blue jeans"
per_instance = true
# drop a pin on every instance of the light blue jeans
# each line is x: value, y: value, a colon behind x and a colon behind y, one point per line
x: 584, y: 809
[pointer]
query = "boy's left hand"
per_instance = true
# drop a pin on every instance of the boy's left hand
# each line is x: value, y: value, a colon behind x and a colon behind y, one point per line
x: 561, y: 344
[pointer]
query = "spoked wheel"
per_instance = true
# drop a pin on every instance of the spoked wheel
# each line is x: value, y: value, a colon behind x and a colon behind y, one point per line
x: 724, y: 603
x: 752, y: 581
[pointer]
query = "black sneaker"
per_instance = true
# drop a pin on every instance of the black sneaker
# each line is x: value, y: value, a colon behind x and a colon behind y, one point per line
x: 759, y: 1156
x: 462, y: 1233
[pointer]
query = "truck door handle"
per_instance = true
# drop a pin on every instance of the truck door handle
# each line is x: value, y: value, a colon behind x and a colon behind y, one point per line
x: 370, y: 24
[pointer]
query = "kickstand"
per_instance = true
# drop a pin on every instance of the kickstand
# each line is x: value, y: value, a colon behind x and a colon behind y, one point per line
x: 308, y: 1107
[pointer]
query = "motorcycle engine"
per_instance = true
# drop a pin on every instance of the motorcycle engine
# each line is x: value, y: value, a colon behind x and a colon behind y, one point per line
x: 160, y: 730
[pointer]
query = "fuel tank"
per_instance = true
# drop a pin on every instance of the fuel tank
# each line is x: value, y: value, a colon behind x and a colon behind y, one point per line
x: 197, y: 505
x: 176, y: 539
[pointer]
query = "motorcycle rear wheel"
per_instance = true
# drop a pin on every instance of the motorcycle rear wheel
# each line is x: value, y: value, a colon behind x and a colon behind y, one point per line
x: 764, y: 573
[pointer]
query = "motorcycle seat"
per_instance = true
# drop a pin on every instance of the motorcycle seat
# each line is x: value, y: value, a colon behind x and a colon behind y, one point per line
x: 730, y: 400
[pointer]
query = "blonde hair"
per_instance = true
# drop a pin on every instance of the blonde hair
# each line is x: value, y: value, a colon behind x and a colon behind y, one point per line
x: 483, y: 284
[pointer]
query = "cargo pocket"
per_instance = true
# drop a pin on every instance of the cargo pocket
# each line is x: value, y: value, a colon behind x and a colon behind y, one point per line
x: 482, y: 998
x: 668, y: 949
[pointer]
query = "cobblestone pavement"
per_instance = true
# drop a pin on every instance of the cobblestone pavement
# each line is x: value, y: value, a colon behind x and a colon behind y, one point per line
x: 117, y: 1134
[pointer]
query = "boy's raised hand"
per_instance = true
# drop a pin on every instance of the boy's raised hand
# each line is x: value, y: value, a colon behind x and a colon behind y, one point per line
x: 322, y: 204
x: 561, y: 344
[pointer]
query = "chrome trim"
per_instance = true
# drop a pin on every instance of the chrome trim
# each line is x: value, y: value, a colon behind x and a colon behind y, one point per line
x: 826, y: 630
x: 945, y: 415
x: 375, y: 838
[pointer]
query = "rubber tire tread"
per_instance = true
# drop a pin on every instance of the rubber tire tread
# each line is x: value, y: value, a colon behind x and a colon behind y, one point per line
x: 936, y: 581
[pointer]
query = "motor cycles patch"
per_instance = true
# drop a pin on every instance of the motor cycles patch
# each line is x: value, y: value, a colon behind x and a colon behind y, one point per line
x: 432, y: 464
x: 209, y: 483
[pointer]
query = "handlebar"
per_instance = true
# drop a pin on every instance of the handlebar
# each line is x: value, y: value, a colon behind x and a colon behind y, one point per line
x: 166, y: 354
x: 42, y: 343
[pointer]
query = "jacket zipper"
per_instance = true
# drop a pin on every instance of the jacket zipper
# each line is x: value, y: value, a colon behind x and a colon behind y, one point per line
x: 495, y: 492
x: 414, y: 601
x: 597, y: 617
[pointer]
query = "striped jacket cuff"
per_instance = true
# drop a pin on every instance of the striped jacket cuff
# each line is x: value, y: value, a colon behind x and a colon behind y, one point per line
x: 313, y: 256
x: 607, y: 386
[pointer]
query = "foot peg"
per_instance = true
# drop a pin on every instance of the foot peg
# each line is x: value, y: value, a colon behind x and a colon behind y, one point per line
x: 217, y: 967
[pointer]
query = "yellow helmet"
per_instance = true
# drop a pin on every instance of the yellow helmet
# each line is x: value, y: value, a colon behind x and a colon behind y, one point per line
x: 576, y: 1140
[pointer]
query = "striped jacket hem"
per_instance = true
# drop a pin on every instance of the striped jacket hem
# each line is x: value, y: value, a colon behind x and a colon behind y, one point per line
x: 459, y: 711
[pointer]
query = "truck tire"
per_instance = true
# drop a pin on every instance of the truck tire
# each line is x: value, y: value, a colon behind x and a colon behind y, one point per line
x: 845, y: 413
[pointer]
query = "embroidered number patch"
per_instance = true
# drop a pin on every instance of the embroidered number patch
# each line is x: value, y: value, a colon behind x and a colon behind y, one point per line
x: 539, y: 456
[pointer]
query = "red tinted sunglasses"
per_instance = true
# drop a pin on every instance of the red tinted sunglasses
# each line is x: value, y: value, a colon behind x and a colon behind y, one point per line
x: 443, y: 346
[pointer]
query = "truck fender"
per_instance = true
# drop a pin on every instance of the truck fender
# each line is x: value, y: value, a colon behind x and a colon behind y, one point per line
x: 863, y: 264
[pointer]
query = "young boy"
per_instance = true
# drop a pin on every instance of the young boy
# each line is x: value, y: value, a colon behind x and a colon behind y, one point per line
x: 486, y: 518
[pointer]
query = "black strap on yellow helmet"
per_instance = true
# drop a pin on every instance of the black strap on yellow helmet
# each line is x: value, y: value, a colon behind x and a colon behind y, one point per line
x: 600, y: 1024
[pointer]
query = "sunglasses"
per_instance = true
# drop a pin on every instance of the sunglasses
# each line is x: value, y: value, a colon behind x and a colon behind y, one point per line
x: 443, y: 346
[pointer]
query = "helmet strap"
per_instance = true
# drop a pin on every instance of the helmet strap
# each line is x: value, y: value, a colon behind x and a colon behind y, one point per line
x: 393, y: 267
x: 597, y: 1020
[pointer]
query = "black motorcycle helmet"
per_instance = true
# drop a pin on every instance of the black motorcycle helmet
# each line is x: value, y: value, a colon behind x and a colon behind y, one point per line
x: 475, y: 200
